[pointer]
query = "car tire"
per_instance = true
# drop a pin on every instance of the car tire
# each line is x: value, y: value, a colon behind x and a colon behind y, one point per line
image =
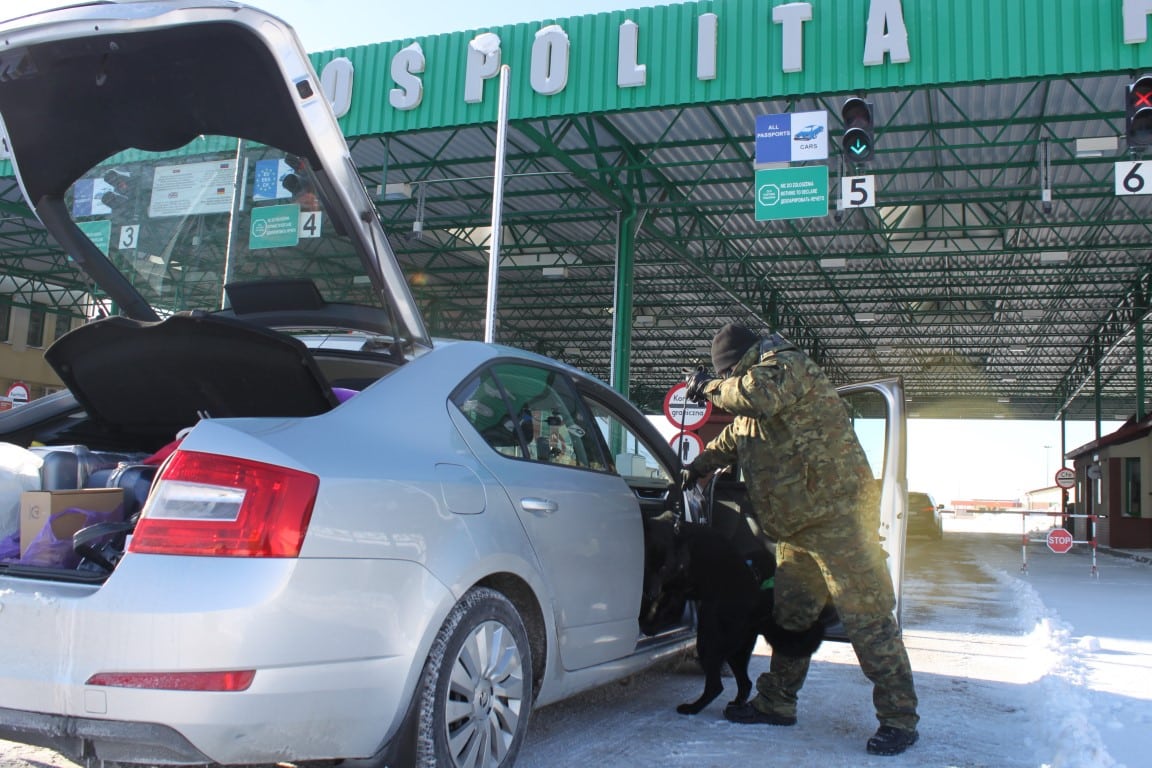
x: 475, y: 693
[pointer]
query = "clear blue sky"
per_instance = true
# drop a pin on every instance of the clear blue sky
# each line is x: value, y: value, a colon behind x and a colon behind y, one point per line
x: 949, y: 459
x: 327, y: 24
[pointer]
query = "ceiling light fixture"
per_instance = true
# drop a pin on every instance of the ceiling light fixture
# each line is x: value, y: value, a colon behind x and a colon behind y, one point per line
x: 1045, y: 177
x: 1097, y: 146
x: 865, y: 317
x: 401, y: 191
x: 836, y: 263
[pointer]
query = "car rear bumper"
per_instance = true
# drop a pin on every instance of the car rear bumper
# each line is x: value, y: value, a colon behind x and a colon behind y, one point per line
x: 75, y: 737
x: 336, y: 646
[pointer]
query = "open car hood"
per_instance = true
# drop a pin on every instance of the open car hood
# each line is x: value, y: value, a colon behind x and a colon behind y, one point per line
x: 84, y: 84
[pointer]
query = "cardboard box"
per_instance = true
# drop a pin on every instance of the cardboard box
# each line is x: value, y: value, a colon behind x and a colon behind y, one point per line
x: 37, y: 508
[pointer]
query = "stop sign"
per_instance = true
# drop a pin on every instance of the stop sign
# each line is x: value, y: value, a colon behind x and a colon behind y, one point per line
x: 1059, y: 540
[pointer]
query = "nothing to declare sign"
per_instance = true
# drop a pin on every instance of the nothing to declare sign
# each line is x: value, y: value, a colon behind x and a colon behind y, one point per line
x: 690, y: 416
x: 792, y: 193
x: 274, y: 226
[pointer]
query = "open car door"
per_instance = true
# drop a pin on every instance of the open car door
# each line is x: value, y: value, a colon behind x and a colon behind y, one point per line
x: 878, y: 414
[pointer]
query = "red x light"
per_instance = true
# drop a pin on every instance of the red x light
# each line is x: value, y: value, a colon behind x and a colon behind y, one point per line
x: 1138, y: 113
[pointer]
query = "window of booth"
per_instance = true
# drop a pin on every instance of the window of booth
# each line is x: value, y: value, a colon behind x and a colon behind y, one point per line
x: 36, y: 317
x: 1131, y: 502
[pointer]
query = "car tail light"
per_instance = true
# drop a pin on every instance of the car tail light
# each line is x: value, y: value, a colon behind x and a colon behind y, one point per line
x: 235, y: 680
x: 204, y: 504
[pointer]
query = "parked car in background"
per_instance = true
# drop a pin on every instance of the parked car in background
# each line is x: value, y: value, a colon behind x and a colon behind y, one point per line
x: 924, y: 516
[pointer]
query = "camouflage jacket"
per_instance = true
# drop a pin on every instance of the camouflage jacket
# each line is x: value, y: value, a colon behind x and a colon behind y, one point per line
x: 793, y: 440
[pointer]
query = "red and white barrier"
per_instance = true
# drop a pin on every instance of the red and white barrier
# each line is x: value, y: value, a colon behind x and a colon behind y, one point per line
x: 1058, y: 539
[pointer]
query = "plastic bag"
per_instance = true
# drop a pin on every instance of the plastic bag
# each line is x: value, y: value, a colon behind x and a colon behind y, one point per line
x: 52, y: 547
x: 10, y: 547
x: 19, y: 472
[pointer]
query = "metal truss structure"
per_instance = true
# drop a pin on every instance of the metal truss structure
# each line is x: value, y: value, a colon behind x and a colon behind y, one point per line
x: 999, y: 274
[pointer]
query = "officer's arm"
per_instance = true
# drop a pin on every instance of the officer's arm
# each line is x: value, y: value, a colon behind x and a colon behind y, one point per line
x: 720, y: 452
x: 765, y: 389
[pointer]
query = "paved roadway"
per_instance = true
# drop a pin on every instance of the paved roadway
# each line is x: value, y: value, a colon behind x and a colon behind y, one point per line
x: 972, y: 647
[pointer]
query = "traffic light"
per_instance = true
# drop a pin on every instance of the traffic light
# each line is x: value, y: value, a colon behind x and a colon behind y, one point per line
x: 1138, y: 113
x: 858, y: 143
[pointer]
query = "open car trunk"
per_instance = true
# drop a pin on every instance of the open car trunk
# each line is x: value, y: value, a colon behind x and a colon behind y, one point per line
x: 186, y: 159
x: 144, y: 382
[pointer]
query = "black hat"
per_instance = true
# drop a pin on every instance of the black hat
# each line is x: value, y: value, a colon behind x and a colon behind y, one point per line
x: 730, y: 344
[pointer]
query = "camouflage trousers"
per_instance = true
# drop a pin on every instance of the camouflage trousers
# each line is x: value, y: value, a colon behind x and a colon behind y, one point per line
x: 848, y: 566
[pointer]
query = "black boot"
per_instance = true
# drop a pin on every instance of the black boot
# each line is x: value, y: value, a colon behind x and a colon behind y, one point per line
x: 891, y: 741
x: 748, y: 714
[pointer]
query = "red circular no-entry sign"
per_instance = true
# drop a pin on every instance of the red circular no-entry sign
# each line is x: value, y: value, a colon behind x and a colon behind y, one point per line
x: 1066, y: 478
x: 1059, y: 540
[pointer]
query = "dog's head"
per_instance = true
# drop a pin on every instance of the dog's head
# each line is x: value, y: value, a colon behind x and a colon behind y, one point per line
x: 666, y: 559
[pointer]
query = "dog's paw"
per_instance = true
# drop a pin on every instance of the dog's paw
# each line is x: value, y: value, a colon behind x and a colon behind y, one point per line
x: 689, y: 709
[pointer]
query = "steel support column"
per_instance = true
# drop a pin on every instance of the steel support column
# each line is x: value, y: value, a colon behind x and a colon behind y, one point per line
x: 1139, y: 363
x: 1097, y: 393
x: 622, y: 305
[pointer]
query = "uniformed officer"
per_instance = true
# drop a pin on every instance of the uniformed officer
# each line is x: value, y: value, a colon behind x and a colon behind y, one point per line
x: 809, y: 481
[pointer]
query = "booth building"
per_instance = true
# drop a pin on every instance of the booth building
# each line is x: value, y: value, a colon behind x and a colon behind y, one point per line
x: 1111, y: 473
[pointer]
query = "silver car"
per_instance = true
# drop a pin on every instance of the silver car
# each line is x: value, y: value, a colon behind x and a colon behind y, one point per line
x: 337, y: 539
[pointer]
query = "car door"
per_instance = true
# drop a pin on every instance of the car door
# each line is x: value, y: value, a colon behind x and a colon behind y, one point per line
x: 878, y: 415
x: 582, y: 519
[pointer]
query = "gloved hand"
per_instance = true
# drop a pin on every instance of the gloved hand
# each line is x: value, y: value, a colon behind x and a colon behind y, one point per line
x: 688, y: 478
x: 696, y: 383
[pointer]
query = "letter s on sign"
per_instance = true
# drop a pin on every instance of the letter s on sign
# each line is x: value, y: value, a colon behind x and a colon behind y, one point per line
x: 406, y: 64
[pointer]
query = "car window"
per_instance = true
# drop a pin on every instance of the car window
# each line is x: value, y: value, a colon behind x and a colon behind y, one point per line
x: 530, y: 412
x: 635, y: 461
x: 483, y: 404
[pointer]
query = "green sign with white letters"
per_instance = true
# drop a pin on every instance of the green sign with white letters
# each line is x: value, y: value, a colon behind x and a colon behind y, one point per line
x: 274, y: 226
x: 99, y: 232
x: 792, y: 193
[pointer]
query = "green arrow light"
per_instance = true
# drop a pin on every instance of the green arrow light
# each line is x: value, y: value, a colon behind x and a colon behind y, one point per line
x: 859, y: 147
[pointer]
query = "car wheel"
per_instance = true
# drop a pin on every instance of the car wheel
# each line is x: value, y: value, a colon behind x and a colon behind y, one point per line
x: 475, y: 693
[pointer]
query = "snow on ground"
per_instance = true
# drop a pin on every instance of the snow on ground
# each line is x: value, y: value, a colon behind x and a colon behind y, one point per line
x: 1046, y: 669
x: 1050, y: 668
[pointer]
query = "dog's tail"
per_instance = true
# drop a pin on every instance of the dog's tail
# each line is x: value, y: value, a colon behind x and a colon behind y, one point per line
x: 787, y: 642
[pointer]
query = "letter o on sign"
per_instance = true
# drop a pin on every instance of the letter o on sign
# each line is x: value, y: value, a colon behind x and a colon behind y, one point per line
x: 1059, y: 540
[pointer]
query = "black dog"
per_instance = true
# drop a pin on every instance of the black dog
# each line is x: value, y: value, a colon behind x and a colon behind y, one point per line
x: 734, y: 597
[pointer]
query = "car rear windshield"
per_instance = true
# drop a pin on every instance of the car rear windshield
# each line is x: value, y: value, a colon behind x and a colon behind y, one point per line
x: 179, y: 225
